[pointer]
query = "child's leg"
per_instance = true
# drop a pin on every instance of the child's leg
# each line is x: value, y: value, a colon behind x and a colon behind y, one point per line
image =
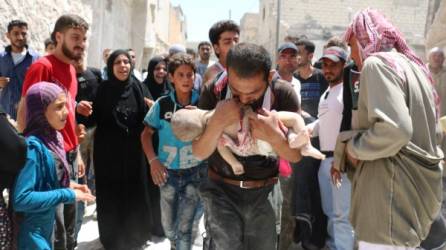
x: 188, y: 203
x: 227, y: 155
x: 169, y: 206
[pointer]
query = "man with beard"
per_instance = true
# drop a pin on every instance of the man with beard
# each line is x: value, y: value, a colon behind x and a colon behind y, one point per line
x: 204, y: 50
x: 69, y: 35
x: 14, y: 61
x: 335, y: 198
x: 311, y: 223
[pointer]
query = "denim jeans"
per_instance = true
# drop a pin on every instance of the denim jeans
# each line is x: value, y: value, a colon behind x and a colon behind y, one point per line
x: 180, y: 201
x: 238, y: 219
x: 336, y: 205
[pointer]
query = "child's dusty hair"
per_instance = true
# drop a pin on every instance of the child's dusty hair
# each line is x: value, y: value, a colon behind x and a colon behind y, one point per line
x: 179, y: 59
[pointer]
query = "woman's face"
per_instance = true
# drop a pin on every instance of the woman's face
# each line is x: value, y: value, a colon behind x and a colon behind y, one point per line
x: 56, y: 113
x: 121, y: 67
x: 160, y: 72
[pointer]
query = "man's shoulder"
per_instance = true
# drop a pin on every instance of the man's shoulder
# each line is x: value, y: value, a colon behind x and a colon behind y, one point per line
x: 43, y: 61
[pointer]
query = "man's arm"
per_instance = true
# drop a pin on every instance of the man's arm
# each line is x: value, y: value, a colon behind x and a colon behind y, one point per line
x: 226, y: 113
x: 388, y: 115
x: 21, y: 117
x: 266, y: 126
x: 157, y: 170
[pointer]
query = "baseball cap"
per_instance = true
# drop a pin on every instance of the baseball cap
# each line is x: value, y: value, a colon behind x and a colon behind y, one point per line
x: 287, y: 45
x: 335, y: 54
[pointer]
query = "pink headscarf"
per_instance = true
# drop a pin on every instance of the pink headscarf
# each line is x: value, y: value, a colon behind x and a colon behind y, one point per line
x: 376, y: 34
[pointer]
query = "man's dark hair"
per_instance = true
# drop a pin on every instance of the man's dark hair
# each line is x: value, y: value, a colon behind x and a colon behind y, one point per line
x: 203, y: 43
x: 16, y: 23
x: 220, y: 27
x: 48, y: 42
x: 308, y: 45
x: 336, y: 42
x: 68, y: 21
x: 179, y: 59
x: 248, y: 60
x: 130, y: 49
x: 191, y: 52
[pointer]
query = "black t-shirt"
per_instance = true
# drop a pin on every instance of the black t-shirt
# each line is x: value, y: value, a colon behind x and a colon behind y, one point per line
x: 256, y: 167
x: 311, y: 91
x: 87, y: 83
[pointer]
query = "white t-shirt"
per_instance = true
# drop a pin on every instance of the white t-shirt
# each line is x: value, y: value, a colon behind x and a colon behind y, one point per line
x: 18, y: 57
x: 329, y: 120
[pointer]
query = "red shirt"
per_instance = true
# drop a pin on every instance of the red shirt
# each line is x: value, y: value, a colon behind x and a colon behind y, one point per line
x: 51, y: 69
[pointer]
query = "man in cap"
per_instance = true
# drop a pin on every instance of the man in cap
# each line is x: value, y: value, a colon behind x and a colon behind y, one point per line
x: 286, y: 65
x: 335, y: 196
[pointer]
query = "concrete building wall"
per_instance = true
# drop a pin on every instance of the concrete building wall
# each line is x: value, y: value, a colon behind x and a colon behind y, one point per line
x: 142, y: 25
x: 249, y: 25
x: 320, y: 19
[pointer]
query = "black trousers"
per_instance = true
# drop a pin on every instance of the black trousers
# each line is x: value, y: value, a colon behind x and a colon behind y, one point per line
x: 65, y: 227
x: 238, y: 219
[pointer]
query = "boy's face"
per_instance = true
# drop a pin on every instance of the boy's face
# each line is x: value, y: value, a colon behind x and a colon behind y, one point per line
x: 56, y: 113
x: 246, y: 90
x: 227, y: 40
x: 183, y: 79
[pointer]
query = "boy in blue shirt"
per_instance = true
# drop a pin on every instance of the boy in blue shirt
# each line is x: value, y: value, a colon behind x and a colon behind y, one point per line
x: 173, y: 167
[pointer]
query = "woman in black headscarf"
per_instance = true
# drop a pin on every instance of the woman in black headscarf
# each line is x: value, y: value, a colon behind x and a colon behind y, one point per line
x: 156, y: 82
x: 156, y: 79
x: 123, y: 204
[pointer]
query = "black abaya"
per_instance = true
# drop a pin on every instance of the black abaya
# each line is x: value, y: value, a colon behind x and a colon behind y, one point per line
x: 123, y: 204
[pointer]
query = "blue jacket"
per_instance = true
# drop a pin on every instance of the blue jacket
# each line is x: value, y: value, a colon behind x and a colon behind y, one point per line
x: 10, y: 95
x: 36, y: 194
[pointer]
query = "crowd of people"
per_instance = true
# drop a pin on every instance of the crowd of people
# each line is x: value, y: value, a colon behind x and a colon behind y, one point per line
x: 72, y: 135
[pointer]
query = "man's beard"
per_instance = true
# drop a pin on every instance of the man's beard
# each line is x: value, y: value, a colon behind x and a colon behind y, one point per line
x: 336, y: 80
x: 19, y: 45
x: 70, y: 54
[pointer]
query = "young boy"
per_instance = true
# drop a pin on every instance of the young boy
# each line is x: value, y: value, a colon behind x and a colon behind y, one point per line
x: 173, y: 167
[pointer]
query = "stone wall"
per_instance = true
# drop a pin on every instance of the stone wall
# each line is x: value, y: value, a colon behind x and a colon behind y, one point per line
x: 142, y: 25
x: 436, y: 36
x: 320, y: 19
x: 40, y: 16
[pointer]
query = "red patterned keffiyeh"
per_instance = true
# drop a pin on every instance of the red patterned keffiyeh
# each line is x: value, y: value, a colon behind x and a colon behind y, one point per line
x: 376, y: 34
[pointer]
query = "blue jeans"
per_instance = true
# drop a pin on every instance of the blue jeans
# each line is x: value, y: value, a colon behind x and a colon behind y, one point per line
x: 180, y: 202
x: 336, y: 205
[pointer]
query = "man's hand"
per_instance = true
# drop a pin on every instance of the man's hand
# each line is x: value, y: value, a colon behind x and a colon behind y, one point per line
x: 266, y: 126
x: 158, y: 172
x: 80, y: 165
x: 3, y: 81
x: 84, y: 108
x: 336, y: 178
x: 227, y: 112
x: 81, y: 132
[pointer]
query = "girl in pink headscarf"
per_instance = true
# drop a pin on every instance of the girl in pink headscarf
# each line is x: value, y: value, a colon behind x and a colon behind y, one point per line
x: 392, y: 153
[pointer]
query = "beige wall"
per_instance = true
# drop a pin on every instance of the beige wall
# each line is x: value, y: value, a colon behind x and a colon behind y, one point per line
x: 177, y: 26
x: 311, y: 17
